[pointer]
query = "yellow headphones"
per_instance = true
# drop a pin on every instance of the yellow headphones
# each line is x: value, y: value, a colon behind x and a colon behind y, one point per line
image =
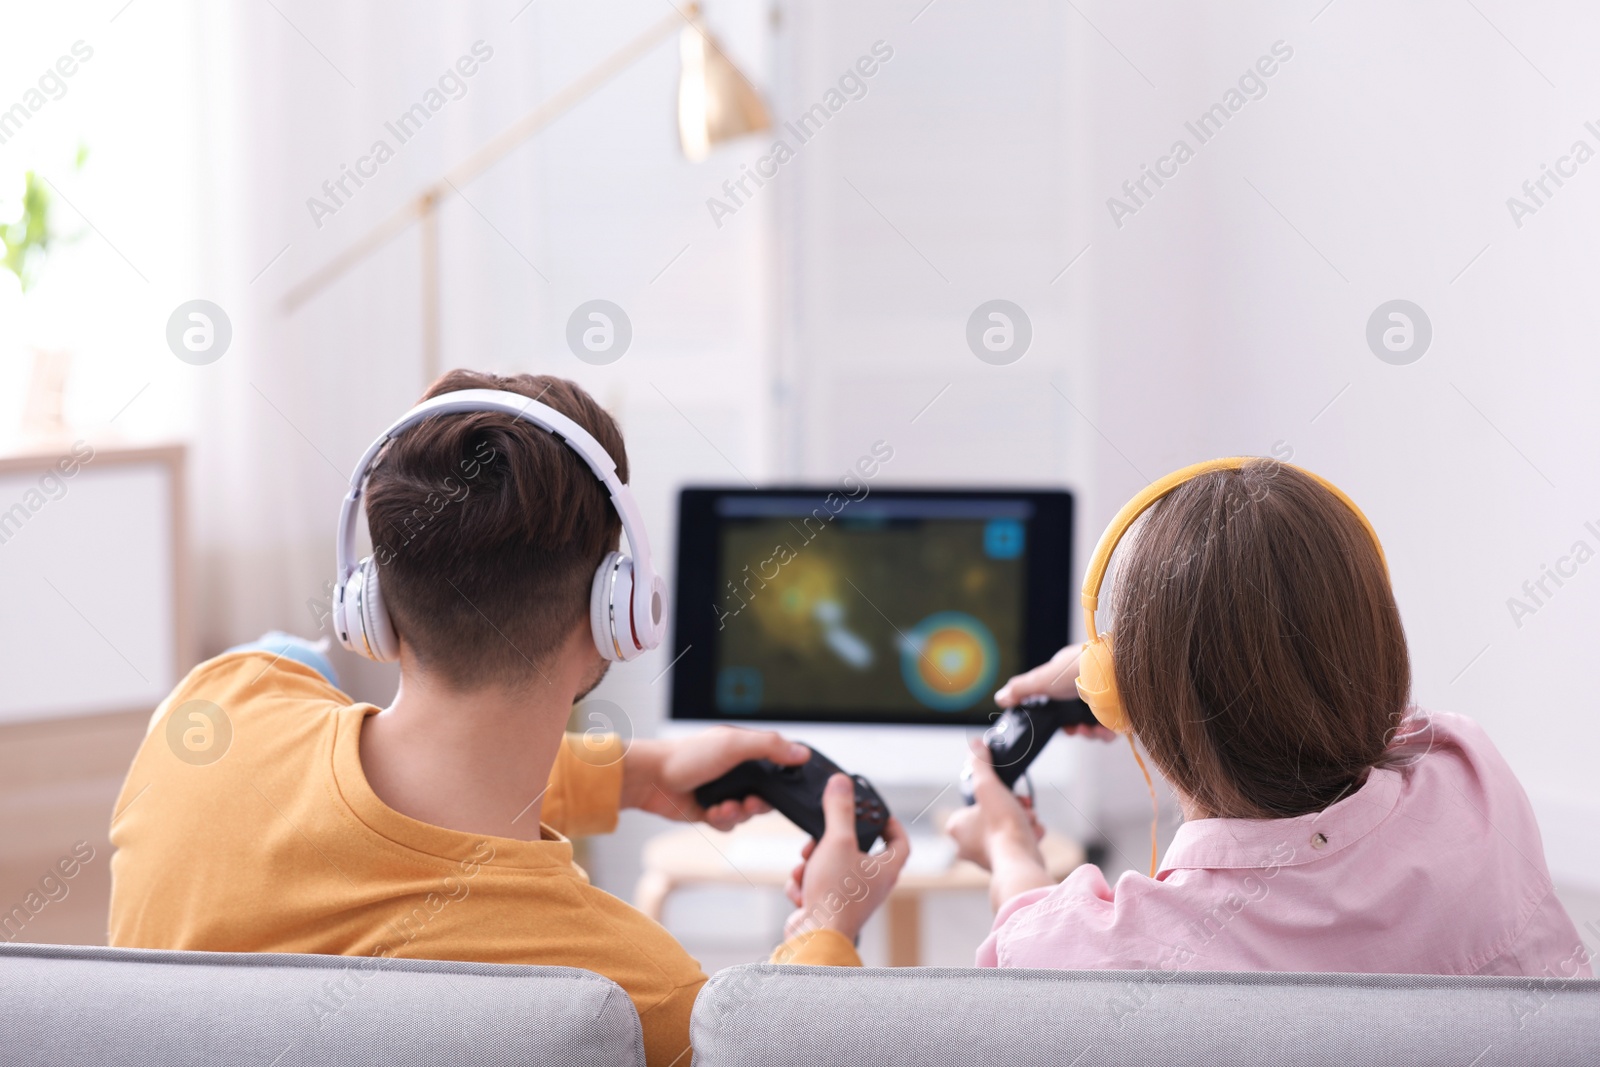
x: 1097, y: 678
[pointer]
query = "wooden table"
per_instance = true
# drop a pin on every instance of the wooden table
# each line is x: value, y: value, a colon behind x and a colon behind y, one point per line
x: 762, y: 851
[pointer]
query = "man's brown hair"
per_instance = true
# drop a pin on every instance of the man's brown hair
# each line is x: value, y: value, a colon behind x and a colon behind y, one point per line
x: 487, y: 531
x: 1258, y: 647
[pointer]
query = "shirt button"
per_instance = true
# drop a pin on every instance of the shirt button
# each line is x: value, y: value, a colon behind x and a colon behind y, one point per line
x: 1318, y: 840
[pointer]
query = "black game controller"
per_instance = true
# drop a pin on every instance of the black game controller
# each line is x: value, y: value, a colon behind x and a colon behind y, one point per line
x: 797, y: 793
x: 1020, y: 734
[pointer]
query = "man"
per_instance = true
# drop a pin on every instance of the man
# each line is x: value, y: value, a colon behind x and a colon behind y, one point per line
x: 267, y: 812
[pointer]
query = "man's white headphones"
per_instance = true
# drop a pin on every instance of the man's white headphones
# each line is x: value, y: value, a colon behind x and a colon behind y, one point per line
x: 627, y: 601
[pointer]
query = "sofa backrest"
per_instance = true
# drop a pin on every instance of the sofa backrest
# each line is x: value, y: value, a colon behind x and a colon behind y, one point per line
x: 131, y: 1006
x: 928, y: 1017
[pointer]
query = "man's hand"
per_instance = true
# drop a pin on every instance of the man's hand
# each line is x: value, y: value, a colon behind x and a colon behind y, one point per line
x: 999, y: 832
x: 836, y: 886
x: 661, y: 776
x: 1057, y: 679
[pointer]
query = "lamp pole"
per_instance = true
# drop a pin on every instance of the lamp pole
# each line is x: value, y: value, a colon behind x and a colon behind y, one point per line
x: 425, y: 206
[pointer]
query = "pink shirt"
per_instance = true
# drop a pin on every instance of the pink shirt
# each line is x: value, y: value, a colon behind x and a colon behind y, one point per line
x: 1433, y: 867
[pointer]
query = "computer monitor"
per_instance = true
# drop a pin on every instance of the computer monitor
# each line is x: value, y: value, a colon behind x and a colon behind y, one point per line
x: 911, y: 606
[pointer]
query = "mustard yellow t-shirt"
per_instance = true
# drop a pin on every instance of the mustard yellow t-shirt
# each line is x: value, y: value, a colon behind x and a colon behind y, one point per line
x: 260, y: 833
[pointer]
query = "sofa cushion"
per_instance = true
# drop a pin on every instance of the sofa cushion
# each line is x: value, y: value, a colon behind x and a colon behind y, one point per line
x: 770, y: 1015
x: 99, y: 1006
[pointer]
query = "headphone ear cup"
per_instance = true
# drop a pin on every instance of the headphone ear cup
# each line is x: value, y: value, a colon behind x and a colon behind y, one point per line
x: 347, y: 612
x: 652, y: 630
x: 1097, y: 685
x: 622, y: 618
x: 619, y: 633
x: 375, y: 621
x: 600, y: 608
x: 364, y: 626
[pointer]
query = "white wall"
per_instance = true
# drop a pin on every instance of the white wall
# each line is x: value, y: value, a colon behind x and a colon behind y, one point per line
x: 1390, y: 141
x: 1229, y: 312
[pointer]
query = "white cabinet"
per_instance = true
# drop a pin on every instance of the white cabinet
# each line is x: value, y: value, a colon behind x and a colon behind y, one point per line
x: 92, y: 615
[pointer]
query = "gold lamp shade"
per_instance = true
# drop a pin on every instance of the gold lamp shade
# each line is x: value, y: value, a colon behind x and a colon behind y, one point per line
x: 716, y: 102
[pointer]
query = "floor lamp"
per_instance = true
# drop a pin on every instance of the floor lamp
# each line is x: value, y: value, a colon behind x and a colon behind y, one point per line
x: 716, y: 103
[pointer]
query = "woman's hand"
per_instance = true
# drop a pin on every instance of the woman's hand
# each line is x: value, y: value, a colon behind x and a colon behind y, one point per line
x: 999, y: 832
x: 997, y: 816
x: 836, y: 886
x: 1057, y: 679
x: 661, y: 776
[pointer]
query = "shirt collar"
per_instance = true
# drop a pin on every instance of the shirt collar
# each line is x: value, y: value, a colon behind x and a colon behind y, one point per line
x: 1273, y: 843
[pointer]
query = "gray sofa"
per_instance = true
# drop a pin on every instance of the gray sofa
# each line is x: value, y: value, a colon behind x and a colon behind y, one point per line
x: 82, y: 1006
x: 930, y: 1017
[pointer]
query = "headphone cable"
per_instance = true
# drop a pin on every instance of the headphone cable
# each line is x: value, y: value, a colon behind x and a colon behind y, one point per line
x: 1155, y: 808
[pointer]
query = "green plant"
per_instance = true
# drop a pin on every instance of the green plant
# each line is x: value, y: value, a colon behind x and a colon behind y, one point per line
x: 28, y: 238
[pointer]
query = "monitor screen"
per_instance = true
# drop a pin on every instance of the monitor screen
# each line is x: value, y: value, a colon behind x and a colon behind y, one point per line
x: 908, y: 606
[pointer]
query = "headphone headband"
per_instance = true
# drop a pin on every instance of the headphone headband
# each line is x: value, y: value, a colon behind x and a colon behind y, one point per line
x: 1094, y: 577
x: 643, y: 605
